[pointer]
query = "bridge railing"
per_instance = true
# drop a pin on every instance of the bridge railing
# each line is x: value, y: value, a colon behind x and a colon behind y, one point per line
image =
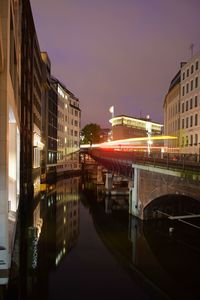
x: 190, y: 162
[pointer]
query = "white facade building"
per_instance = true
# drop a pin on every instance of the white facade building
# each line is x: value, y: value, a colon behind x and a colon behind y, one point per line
x: 190, y: 106
x: 9, y: 128
x: 68, y: 130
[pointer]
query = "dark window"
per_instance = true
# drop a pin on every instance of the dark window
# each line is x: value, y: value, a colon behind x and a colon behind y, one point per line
x: 196, y: 139
x: 191, y: 121
x: 196, y: 120
x: 183, y: 75
x: 196, y: 101
x: 197, y: 65
x: 183, y: 123
x: 187, y: 72
x: 186, y: 106
x: 191, y: 85
x: 186, y: 122
x: 192, y: 69
x: 191, y: 140
x: 196, y: 82
x: 191, y: 103
x: 187, y: 88
x: 183, y: 107
x: 183, y: 91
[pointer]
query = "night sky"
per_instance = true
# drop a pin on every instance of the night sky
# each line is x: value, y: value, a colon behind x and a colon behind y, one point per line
x: 117, y: 52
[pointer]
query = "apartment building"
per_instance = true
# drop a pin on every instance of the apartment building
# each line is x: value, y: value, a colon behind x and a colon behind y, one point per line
x: 49, y: 123
x: 172, y: 114
x: 68, y: 129
x: 10, y: 78
x: 190, y: 106
x: 31, y: 97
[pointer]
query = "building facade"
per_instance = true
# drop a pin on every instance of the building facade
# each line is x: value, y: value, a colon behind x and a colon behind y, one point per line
x: 31, y: 98
x: 124, y: 127
x: 190, y: 106
x: 172, y: 114
x: 49, y: 123
x: 10, y: 81
x: 68, y: 129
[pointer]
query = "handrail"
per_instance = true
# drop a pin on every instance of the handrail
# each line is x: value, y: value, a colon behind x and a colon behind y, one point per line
x: 183, y: 162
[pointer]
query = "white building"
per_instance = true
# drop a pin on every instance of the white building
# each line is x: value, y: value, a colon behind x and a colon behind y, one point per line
x: 9, y: 128
x: 69, y: 115
x: 190, y: 106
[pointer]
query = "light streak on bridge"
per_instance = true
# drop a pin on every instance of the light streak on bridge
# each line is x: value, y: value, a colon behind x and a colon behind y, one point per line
x: 131, y: 144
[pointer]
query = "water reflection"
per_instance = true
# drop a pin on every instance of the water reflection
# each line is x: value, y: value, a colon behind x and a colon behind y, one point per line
x: 114, y: 251
x: 168, y: 262
x: 47, y: 230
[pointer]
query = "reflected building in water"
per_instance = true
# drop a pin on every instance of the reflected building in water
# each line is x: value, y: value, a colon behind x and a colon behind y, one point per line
x: 67, y: 216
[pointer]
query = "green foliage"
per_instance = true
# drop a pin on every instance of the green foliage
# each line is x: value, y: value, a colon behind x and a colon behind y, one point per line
x: 91, y: 134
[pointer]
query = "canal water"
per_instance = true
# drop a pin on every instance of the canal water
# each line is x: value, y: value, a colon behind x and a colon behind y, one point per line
x: 77, y: 245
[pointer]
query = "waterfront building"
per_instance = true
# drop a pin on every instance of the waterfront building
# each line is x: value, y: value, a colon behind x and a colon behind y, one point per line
x: 68, y: 129
x: 10, y: 78
x: 31, y: 97
x: 124, y: 127
x: 172, y: 114
x: 190, y: 106
x: 49, y: 123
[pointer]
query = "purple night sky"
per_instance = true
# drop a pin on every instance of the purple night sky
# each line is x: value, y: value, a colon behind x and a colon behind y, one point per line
x: 117, y: 52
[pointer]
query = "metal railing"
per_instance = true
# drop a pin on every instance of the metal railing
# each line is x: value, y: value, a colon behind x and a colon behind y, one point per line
x: 186, y: 162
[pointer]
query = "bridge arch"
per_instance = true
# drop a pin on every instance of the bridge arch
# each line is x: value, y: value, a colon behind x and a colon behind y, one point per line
x: 171, y: 204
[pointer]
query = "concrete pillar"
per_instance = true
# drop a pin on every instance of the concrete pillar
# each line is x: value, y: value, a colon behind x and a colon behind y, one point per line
x: 133, y: 194
x: 109, y: 181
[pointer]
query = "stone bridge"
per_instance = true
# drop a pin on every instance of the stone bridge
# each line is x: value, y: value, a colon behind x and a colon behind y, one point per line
x: 154, y: 189
x: 159, y: 189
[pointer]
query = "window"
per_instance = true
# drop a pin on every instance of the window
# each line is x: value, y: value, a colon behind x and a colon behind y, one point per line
x: 192, y: 69
x: 183, y: 91
x: 186, y: 106
x: 183, y: 107
x: 186, y: 122
x: 191, y: 140
x: 191, y: 121
x: 183, y: 75
x: 191, y: 103
x: 183, y: 121
x: 196, y: 139
x: 191, y: 85
x: 196, y: 82
x: 196, y: 120
x: 195, y: 101
x: 186, y: 141
x: 187, y: 72
x: 187, y: 87
x: 197, y: 65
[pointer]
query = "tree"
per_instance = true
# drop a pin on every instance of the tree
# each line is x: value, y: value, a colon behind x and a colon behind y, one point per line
x: 91, y: 134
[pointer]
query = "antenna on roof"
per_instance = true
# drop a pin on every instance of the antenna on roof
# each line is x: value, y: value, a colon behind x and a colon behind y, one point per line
x: 191, y: 49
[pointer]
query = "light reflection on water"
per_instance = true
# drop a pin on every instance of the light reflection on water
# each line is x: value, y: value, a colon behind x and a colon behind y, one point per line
x: 75, y: 244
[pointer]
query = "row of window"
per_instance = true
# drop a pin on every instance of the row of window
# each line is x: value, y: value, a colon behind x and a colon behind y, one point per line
x: 191, y: 140
x: 191, y: 70
x: 189, y: 87
x: 190, y: 104
x: 190, y: 121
